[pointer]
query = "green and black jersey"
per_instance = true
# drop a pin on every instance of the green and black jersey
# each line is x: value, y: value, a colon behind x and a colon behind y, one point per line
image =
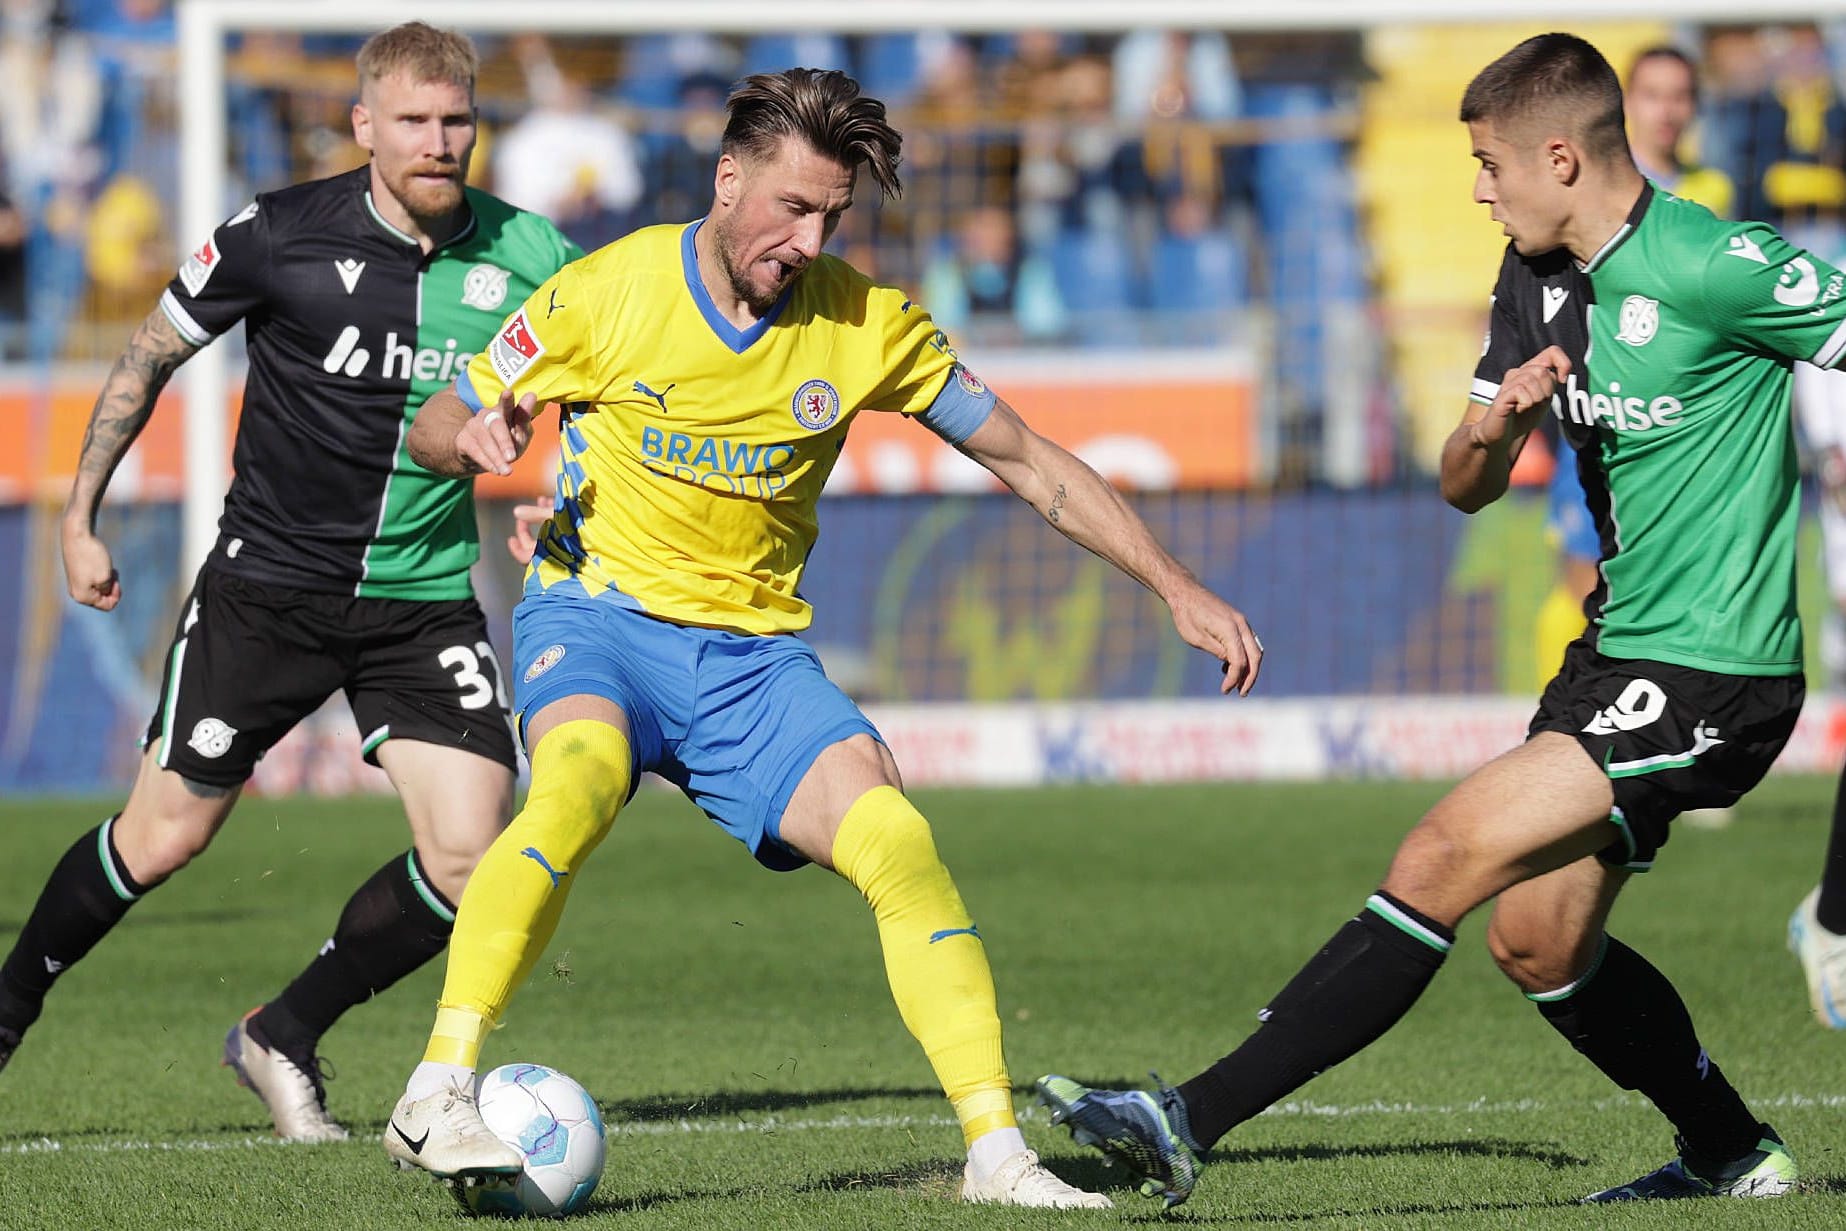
x: 351, y: 325
x: 1681, y: 332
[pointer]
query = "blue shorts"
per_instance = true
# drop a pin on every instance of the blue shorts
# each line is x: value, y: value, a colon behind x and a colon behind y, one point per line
x: 1567, y: 516
x: 731, y: 719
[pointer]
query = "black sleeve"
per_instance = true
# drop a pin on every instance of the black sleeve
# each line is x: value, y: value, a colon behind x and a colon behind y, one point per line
x: 223, y: 279
x: 1506, y: 346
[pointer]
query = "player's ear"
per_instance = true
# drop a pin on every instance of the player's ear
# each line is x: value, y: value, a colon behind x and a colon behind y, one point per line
x: 362, y: 127
x: 1562, y: 160
x: 727, y: 181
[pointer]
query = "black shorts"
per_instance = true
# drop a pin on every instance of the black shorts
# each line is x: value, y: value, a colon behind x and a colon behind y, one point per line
x: 1670, y: 738
x: 249, y: 661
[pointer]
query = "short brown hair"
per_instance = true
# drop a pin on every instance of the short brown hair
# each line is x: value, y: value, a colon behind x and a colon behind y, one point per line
x: 1553, y: 79
x: 824, y: 108
x: 422, y: 52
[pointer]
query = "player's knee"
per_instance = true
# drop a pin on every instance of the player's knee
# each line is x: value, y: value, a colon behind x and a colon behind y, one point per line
x: 581, y: 771
x: 1534, y: 961
x: 885, y: 842
x: 1436, y: 868
x: 154, y: 844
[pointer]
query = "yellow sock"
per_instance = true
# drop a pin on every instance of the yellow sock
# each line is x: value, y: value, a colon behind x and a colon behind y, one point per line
x: 580, y: 775
x: 934, y: 958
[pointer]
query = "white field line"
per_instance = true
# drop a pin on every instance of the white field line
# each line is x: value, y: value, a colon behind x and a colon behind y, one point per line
x: 848, y: 1123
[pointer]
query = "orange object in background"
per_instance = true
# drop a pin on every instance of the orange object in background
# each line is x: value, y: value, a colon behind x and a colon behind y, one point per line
x: 1148, y: 422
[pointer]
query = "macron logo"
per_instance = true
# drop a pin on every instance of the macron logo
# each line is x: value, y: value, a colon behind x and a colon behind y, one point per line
x: 349, y: 271
x: 1745, y: 247
x: 1554, y: 299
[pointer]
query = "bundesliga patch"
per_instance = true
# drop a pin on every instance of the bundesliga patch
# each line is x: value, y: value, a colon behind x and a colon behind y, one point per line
x: 969, y: 381
x: 514, y: 348
x: 484, y: 287
x: 199, y: 267
x: 552, y: 656
x: 816, y: 405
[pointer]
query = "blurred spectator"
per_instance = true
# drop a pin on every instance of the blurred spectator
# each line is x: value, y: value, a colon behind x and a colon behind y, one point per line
x: 564, y: 159
x: 679, y: 175
x: 1029, y: 82
x: 653, y: 65
x: 127, y: 255
x: 51, y: 103
x: 12, y: 280
x: 1172, y: 73
x: 893, y: 67
x: 985, y: 288
x: 1662, y: 99
x: 1198, y: 275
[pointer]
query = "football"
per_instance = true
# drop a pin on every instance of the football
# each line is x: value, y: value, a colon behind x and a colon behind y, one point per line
x: 555, y: 1123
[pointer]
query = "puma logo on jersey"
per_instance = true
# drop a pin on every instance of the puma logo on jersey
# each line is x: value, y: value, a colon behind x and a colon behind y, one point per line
x: 554, y: 307
x: 660, y: 397
x: 349, y: 271
x: 1554, y: 299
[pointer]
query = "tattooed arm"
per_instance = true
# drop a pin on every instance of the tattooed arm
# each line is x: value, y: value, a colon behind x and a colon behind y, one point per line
x: 121, y: 411
x: 1091, y: 513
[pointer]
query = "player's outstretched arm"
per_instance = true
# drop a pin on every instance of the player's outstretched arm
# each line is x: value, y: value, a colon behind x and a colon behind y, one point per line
x: 122, y: 410
x: 448, y: 438
x: 1089, y: 512
x: 1477, y: 458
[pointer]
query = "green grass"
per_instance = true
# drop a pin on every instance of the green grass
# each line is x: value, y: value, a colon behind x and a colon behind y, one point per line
x: 735, y: 1024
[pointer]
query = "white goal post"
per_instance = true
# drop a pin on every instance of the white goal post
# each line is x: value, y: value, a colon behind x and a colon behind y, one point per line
x: 204, y: 24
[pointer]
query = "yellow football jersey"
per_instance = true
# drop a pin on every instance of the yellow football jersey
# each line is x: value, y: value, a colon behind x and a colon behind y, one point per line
x: 693, y: 453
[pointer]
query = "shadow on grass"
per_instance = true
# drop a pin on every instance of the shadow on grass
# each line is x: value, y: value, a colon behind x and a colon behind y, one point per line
x: 929, y: 1180
x: 722, y: 1103
x: 1475, y: 1147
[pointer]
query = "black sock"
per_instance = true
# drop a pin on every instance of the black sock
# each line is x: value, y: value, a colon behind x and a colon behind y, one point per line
x: 1353, y: 990
x: 1630, y: 1022
x: 87, y: 894
x: 1830, y: 909
x: 394, y: 923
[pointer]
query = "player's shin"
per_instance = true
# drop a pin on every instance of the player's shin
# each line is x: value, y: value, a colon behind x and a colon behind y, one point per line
x: 86, y: 895
x: 934, y: 957
x: 1350, y: 993
x: 581, y: 772
x: 1629, y: 1021
x: 394, y: 923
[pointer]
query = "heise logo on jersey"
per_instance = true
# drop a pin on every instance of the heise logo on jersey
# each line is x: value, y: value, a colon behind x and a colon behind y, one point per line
x: 424, y: 363
x: 1624, y: 414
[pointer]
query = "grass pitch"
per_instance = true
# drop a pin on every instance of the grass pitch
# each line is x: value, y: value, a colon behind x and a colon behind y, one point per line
x: 735, y: 1025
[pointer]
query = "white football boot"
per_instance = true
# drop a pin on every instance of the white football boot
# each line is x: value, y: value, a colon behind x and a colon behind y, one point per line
x: 295, y: 1099
x: 1022, y: 1180
x: 1823, y: 960
x: 443, y: 1134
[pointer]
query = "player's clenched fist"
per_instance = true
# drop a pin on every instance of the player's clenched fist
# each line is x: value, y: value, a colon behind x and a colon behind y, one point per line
x: 1523, y: 395
x: 89, y: 570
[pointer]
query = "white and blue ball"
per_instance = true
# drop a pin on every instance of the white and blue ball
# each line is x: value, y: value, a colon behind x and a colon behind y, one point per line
x: 555, y: 1123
